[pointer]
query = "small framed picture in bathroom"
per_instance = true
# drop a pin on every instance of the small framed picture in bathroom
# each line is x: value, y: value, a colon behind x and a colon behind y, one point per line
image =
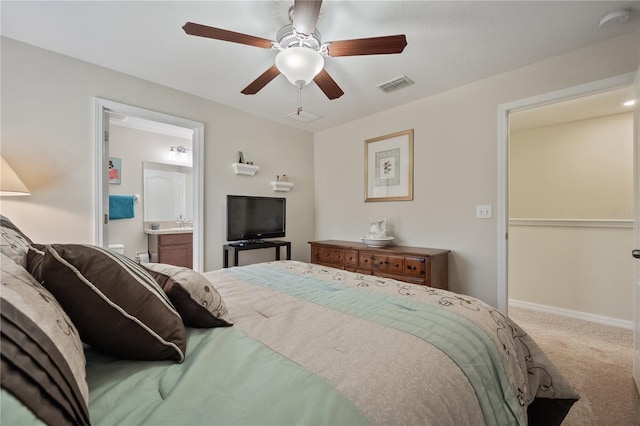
x: 115, y: 170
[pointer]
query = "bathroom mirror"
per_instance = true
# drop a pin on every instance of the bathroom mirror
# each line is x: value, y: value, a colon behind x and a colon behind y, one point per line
x: 168, y: 192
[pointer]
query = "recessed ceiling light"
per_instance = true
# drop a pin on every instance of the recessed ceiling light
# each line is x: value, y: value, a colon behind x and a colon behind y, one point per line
x: 632, y: 102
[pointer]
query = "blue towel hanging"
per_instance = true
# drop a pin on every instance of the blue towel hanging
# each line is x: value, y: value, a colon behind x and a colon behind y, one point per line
x: 121, y: 206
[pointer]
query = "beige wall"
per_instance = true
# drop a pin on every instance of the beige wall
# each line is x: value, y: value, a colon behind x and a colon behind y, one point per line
x: 48, y: 138
x: 455, y: 162
x: 577, y: 170
x: 584, y: 269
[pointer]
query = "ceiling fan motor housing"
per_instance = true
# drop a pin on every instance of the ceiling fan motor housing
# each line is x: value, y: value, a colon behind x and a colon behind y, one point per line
x: 288, y: 37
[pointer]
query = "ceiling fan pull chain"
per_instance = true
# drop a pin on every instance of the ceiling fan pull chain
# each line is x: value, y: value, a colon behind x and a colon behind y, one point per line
x: 299, y: 109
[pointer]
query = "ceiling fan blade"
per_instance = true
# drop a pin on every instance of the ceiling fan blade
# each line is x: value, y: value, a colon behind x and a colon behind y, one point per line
x: 226, y: 35
x: 256, y: 85
x: 305, y: 15
x: 328, y: 85
x: 368, y: 46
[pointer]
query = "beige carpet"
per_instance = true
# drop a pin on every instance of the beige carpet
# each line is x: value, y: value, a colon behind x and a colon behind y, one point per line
x: 595, y: 358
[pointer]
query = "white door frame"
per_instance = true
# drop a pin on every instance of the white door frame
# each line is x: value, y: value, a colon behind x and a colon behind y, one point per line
x: 624, y: 80
x: 636, y: 234
x: 101, y: 109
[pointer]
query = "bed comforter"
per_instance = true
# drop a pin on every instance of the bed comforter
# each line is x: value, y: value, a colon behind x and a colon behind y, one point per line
x: 317, y: 345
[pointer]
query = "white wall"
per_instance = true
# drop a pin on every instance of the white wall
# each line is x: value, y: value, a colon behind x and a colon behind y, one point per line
x: 48, y: 138
x: 455, y: 162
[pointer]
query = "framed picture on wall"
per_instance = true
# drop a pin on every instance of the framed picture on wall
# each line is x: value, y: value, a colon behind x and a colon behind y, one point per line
x: 115, y: 170
x: 388, y: 167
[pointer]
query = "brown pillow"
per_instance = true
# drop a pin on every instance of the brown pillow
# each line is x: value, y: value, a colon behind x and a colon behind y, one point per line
x: 113, y: 301
x: 194, y: 297
x: 42, y: 363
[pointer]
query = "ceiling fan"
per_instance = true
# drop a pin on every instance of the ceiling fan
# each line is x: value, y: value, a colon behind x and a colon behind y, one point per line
x: 301, y: 51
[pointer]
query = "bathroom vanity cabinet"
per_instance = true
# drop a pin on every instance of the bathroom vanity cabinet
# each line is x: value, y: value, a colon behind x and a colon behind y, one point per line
x: 174, y: 249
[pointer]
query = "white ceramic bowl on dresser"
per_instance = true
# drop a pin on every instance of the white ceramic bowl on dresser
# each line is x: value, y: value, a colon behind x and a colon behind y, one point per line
x: 377, y: 241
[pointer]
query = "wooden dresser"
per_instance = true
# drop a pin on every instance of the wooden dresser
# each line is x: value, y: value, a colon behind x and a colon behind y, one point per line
x: 424, y: 266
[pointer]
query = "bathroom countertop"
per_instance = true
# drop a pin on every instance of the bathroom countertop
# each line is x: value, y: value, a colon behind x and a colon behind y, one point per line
x: 168, y: 231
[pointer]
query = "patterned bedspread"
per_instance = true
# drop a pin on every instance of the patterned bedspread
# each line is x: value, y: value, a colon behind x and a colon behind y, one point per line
x: 388, y: 367
x: 316, y: 345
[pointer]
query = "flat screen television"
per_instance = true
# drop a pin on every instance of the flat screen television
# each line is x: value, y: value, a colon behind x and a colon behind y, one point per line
x: 250, y: 218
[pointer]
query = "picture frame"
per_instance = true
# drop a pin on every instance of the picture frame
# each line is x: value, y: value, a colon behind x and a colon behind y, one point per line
x: 115, y: 170
x: 388, y: 167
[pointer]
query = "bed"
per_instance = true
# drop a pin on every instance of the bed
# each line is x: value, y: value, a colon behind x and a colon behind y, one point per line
x: 275, y: 343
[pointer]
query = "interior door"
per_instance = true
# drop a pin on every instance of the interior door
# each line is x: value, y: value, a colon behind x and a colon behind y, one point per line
x: 636, y: 237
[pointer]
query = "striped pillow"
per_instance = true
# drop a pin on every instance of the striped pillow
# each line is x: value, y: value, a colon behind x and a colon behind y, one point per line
x: 42, y: 362
x: 116, y: 305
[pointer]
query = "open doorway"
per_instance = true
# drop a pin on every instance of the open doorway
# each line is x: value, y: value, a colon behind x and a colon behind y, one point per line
x: 570, y: 207
x: 108, y: 111
x: 504, y: 112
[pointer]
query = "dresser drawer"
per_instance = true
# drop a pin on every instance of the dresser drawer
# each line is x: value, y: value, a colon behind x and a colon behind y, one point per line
x: 396, y: 264
x: 415, y: 266
x: 337, y: 256
x: 365, y: 261
x: 380, y: 262
x: 325, y: 255
x: 351, y: 258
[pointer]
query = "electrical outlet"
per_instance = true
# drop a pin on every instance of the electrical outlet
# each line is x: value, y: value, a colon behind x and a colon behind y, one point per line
x: 484, y: 211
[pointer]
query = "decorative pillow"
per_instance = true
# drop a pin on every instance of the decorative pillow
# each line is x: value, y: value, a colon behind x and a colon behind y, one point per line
x: 194, y: 297
x: 13, y: 242
x: 42, y: 363
x: 116, y: 305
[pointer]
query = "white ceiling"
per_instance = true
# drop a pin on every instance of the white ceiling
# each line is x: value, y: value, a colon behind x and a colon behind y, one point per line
x: 582, y: 108
x: 450, y: 43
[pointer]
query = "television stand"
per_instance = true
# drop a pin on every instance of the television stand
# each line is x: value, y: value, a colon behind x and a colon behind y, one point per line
x: 246, y: 245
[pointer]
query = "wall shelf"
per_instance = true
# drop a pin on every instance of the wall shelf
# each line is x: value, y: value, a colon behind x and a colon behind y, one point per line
x: 245, y: 169
x: 282, y: 186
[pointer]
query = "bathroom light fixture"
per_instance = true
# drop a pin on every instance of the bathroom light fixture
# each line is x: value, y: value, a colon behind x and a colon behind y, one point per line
x: 11, y: 184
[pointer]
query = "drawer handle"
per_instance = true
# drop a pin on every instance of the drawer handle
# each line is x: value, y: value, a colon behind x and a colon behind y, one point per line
x: 396, y: 266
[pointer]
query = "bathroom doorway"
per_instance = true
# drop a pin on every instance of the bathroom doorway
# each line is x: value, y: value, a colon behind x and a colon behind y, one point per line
x: 109, y: 113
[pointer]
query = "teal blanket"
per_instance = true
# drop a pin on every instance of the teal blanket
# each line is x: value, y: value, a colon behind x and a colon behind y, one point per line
x: 227, y: 378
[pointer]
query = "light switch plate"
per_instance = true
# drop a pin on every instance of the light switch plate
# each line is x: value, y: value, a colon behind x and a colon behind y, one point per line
x: 484, y: 211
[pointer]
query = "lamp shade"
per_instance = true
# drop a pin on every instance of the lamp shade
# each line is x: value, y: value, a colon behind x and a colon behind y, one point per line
x: 299, y: 64
x: 10, y: 183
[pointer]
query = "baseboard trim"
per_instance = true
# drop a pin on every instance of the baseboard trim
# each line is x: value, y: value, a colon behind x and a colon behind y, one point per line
x: 600, y: 319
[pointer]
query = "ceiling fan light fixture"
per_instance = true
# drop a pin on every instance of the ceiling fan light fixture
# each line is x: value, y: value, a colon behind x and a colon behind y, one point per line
x: 299, y: 64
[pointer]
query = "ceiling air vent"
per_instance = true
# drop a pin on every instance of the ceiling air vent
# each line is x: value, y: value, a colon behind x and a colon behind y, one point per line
x: 395, y: 84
